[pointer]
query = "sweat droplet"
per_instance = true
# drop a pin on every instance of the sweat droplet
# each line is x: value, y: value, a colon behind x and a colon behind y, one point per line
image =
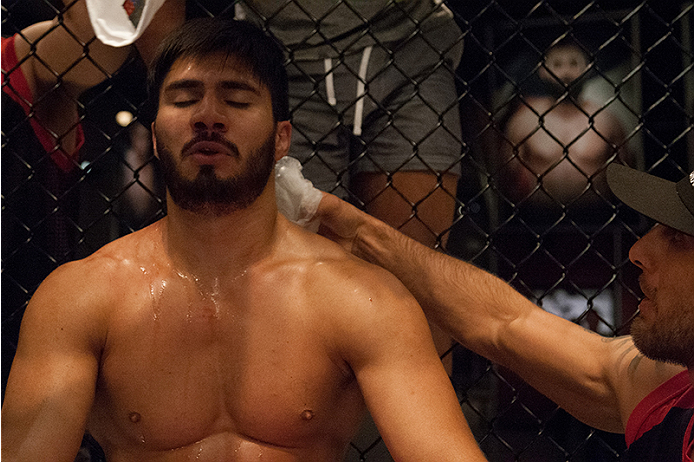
x: 307, y: 414
x: 134, y: 417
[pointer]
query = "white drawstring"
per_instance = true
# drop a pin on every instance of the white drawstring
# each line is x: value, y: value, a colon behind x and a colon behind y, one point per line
x: 329, y: 85
x: 359, y: 108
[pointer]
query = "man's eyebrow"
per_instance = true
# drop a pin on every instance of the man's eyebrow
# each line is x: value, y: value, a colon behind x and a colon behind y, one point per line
x: 189, y: 84
x: 183, y: 84
x: 239, y: 85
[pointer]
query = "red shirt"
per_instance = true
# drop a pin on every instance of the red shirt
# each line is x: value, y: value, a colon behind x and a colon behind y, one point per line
x: 18, y: 89
x: 660, y: 428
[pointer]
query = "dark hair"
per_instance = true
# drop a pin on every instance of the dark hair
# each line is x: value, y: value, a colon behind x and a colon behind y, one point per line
x: 205, y: 36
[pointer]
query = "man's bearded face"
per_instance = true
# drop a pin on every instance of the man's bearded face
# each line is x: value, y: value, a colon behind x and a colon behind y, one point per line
x: 209, y: 194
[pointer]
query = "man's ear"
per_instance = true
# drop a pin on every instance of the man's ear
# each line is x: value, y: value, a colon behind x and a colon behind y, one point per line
x: 283, y: 139
x: 154, y: 142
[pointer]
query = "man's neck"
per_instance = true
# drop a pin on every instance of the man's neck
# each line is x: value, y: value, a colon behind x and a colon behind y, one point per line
x: 211, y: 247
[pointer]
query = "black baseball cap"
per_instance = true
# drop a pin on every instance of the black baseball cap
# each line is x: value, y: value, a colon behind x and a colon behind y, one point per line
x: 666, y: 202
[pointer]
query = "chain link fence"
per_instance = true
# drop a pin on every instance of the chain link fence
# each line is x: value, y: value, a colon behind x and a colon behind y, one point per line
x: 529, y: 159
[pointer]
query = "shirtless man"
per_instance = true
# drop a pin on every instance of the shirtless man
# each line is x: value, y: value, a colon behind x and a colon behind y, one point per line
x: 223, y: 331
x: 561, y: 141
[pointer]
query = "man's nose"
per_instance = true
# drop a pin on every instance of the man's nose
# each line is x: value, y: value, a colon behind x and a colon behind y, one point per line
x: 564, y: 73
x: 639, y: 254
x: 210, y: 114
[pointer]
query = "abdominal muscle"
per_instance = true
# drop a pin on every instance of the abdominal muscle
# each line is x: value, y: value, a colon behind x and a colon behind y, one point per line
x: 228, y: 446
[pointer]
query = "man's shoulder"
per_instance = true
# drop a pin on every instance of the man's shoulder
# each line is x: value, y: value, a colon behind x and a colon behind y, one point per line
x: 328, y: 259
x: 333, y: 282
x: 80, y: 296
x: 350, y: 284
x: 116, y: 261
x: 359, y: 307
x: 527, y: 113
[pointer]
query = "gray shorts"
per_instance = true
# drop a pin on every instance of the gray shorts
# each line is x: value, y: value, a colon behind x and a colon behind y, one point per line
x: 375, y: 112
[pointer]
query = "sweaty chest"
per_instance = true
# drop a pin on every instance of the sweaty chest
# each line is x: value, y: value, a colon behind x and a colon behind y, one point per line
x: 182, y: 364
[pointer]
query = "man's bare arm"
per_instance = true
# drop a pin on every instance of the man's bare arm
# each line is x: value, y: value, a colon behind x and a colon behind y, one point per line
x: 52, y: 382
x: 170, y: 16
x: 383, y: 335
x: 569, y: 364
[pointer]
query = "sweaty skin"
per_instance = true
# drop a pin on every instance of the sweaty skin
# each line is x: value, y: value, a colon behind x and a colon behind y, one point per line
x: 259, y: 363
x: 240, y: 365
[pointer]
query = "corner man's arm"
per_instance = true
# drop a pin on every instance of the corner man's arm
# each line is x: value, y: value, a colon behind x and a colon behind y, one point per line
x: 570, y: 365
x: 65, y: 51
x: 60, y: 59
x: 169, y: 17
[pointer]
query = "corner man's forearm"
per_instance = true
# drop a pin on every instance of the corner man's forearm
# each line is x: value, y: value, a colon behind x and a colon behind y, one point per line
x: 472, y: 305
x: 486, y: 315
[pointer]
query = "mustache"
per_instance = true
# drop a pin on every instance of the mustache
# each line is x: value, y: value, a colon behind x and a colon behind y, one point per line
x: 648, y: 290
x: 211, y: 137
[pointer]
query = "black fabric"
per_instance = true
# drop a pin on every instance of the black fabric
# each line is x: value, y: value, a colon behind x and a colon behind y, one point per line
x: 664, y: 442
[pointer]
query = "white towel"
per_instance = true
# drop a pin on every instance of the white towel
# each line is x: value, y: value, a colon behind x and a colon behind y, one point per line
x: 120, y: 22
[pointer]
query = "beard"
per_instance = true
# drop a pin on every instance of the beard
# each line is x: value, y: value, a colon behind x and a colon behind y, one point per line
x: 208, y: 194
x: 668, y: 340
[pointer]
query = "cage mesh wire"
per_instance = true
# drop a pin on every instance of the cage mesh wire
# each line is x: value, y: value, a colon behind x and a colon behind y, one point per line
x: 569, y: 254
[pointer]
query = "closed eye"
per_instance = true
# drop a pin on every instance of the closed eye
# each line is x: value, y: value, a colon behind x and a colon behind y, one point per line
x: 238, y: 104
x: 677, y: 238
x: 184, y: 103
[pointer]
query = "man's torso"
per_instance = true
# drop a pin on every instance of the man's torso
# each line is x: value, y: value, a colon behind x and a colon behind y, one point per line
x: 239, y: 368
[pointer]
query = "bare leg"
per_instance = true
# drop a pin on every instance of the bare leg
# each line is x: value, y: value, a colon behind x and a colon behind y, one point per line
x: 420, y: 208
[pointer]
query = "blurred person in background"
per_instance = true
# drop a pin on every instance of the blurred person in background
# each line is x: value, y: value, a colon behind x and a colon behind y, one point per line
x: 559, y: 143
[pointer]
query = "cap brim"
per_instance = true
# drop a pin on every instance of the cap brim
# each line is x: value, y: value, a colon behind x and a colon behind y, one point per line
x: 652, y: 196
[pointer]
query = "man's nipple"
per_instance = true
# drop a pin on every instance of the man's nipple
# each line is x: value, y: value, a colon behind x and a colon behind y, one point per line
x: 307, y: 415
